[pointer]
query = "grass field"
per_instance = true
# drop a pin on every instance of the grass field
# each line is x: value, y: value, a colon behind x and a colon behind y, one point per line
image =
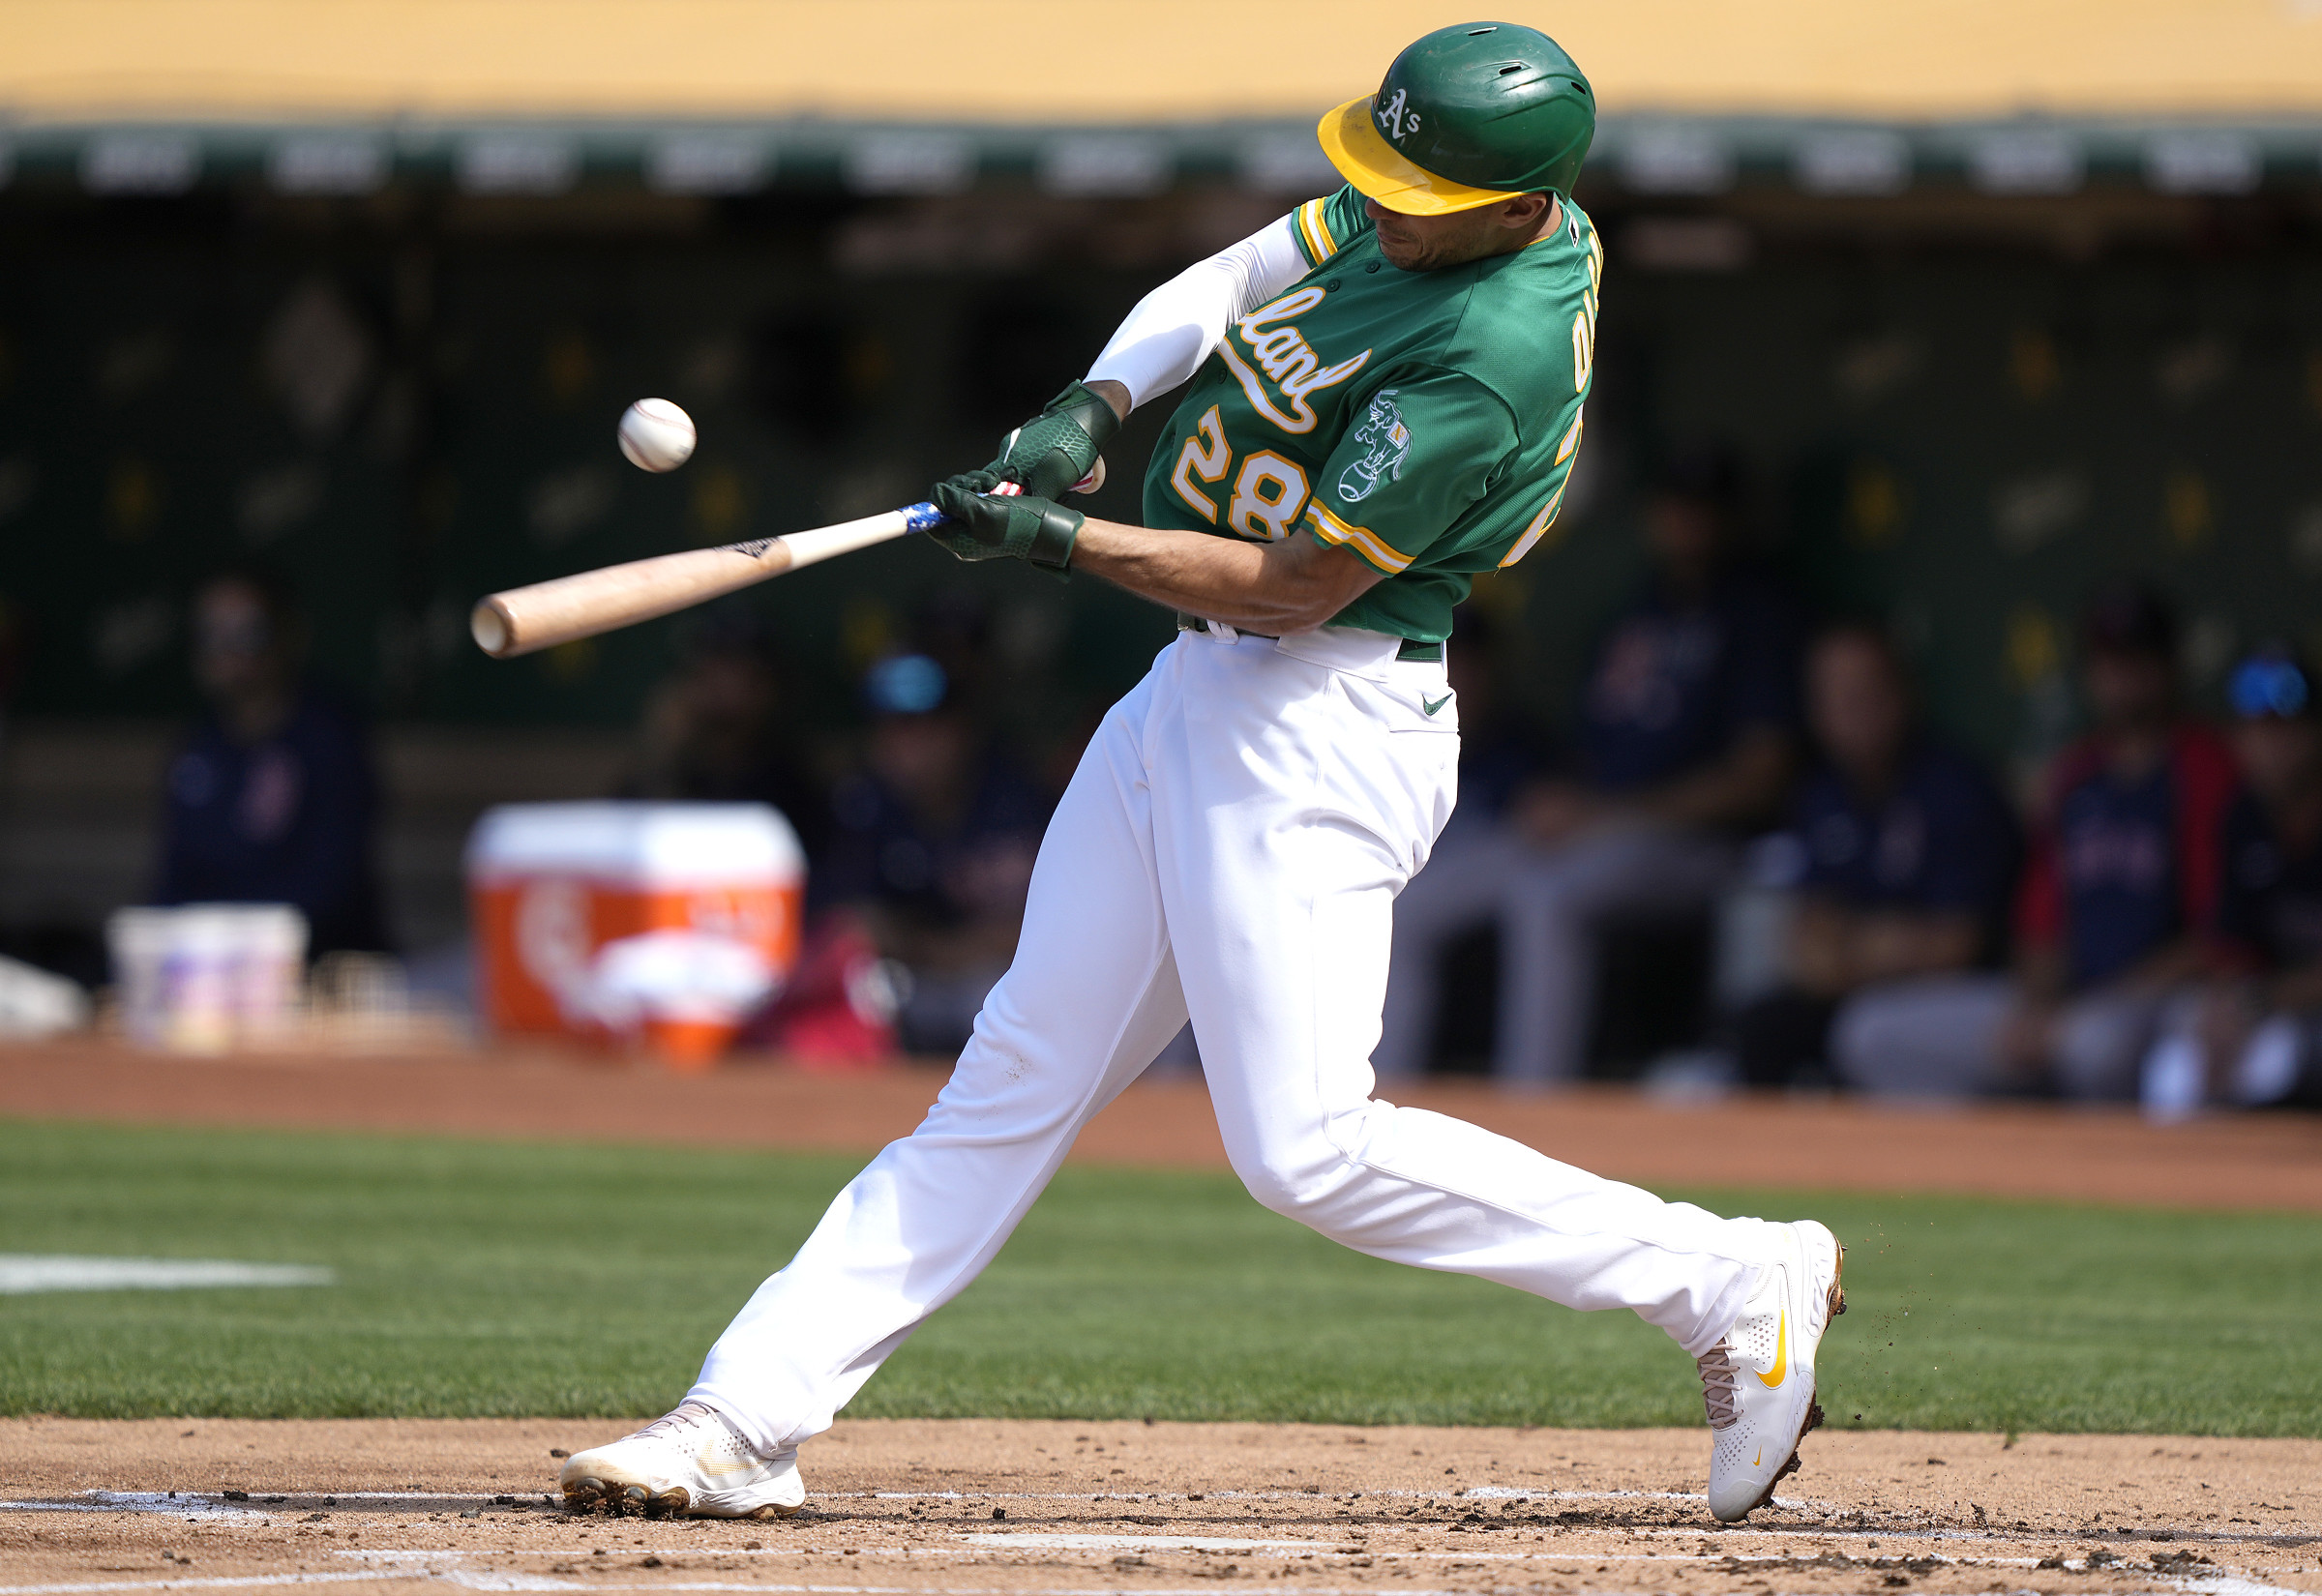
x: 514, y: 1279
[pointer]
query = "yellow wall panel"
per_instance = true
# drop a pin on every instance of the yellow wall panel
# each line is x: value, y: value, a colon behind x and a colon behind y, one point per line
x: 1128, y: 60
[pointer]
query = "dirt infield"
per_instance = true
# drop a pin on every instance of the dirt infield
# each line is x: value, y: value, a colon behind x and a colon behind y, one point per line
x: 1049, y: 1508
x: 2008, y: 1150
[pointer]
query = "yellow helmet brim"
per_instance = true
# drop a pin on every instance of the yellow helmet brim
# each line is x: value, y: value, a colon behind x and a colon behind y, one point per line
x: 1376, y: 168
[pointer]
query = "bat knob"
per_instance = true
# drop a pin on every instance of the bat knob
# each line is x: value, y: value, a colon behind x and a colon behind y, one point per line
x: 488, y: 624
x: 1095, y: 480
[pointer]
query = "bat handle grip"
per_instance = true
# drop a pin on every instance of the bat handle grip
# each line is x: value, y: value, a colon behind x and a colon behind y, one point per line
x: 920, y: 516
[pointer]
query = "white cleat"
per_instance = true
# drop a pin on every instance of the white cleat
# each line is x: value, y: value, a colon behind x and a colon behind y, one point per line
x: 1758, y: 1383
x: 691, y: 1463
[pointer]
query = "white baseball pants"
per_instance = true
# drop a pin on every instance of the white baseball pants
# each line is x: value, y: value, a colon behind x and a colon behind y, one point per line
x: 1230, y: 848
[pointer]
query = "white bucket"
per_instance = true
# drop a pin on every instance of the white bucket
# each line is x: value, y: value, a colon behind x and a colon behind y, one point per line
x: 207, y: 977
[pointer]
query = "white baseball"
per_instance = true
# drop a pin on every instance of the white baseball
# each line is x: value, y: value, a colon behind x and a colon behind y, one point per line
x: 656, y: 435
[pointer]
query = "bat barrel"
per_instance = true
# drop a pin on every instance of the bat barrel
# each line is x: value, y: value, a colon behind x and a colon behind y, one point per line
x: 523, y: 620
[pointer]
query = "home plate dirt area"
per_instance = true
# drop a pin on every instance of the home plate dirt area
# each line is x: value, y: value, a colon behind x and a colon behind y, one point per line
x: 1048, y: 1508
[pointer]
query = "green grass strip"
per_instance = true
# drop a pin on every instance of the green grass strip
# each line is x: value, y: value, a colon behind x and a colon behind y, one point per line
x: 482, y: 1278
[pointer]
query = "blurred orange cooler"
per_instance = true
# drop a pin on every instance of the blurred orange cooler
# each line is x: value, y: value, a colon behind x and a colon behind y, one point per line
x: 643, y: 925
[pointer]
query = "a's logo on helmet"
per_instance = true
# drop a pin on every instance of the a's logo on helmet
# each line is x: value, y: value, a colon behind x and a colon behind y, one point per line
x: 1399, y: 122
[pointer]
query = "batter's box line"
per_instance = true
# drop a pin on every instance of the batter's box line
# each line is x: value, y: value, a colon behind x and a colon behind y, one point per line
x: 230, y: 1581
x: 215, y: 1502
x: 205, y: 1505
x: 983, y: 1546
x: 213, y: 1507
x: 2219, y: 1587
x: 2204, y: 1587
x: 1473, y: 1494
x: 988, y: 1546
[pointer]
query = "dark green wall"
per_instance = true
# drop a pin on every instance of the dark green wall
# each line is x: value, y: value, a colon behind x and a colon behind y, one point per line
x: 1964, y: 445
x: 1959, y: 440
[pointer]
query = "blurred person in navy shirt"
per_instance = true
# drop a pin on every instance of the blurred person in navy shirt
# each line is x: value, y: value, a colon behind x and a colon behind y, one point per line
x: 1901, y: 854
x: 2253, y: 1036
x: 2119, y: 891
x: 1471, y: 868
x: 714, y: 730
x: 1688, y: 738
x: 272, y: 799
x: 932, y: 843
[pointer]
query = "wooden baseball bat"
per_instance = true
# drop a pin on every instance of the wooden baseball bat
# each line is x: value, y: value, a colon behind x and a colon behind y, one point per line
x: 525, y: 619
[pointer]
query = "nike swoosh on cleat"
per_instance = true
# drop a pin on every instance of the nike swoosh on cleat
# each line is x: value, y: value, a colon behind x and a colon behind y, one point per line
x: 713, y: 1468
x: 1781, y: 1371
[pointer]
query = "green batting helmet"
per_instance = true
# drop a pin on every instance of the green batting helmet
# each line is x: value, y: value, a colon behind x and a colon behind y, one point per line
x: 1466, y: 115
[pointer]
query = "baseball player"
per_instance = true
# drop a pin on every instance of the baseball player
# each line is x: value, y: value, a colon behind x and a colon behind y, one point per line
x: 1385, y: 398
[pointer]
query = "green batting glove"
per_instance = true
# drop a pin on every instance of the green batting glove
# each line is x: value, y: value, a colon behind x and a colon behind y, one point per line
x: 980, y: 525
x: 1058, y: 447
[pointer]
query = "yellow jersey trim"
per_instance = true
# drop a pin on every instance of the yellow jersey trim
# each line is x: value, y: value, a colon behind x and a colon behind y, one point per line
x: 1538, y: 529
x: 1314, y: 231
x: 1361, y: 539
x: 1321, y: 229
x: 1546, y: 519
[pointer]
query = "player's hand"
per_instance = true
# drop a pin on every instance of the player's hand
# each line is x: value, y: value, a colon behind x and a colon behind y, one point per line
x: 983, y: 524
x: 1059, y: 447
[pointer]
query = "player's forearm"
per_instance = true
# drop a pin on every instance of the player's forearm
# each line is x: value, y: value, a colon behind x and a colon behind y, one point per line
x: 2041, y: 973
x: 1890, y: 946
x: 1745, y: 786
x: 1275, y: 588
x: 1819, y: 960
x: 2298, y: 989
x: 2180, y: 960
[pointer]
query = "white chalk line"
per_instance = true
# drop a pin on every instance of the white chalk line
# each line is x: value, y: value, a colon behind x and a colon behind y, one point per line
x: 239, y: 1581
x: 2210, y: 1586
x: 23, y: 1273
x: 979, y: 1546
x: 124, y: 1499
x: 1473, y: 1494
x: 261, y: 1505
x: 985, y: 1545
x: 190, y: 1505
x: 261, y: 1512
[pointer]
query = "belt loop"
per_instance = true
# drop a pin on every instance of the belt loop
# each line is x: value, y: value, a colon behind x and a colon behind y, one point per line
x: 1223, y: 633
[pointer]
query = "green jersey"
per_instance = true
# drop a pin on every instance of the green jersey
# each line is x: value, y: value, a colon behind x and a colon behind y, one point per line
x: 1425, y: 420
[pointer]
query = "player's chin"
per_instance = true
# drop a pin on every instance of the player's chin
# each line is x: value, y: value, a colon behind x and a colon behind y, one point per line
x: 1402, y: 257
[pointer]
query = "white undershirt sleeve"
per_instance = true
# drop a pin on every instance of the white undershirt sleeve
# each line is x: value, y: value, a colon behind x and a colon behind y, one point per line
x: 1166, y: 337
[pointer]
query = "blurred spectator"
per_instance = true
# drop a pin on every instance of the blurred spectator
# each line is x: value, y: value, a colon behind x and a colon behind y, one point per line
x: 932, y: 842
x: 953, y: 628
x: 2254, y: 1035
x: 1688, y: 732
x: 1474, y: 862
x: 273, y: 799
x: 1902, y: 852
x: 713, y: 730
x: 2121, y: 880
